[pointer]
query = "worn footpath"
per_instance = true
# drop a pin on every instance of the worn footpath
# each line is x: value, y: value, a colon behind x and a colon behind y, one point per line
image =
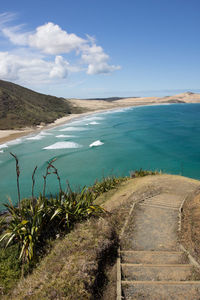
x: 152, y: 265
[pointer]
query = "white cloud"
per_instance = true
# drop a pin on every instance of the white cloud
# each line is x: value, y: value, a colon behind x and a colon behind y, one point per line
x: 60, y: 69
x: 51, y: 39
x: 14, y: 35
x: 41, y: 60
x: 24, y: 69
x: 9, y: 67
x: 6, y: 18
x: 97, y: 61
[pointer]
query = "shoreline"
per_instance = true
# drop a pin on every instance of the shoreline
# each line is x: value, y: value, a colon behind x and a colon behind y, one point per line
x: 11, y: 135
x: 93, y: 106
x: 7, y: 136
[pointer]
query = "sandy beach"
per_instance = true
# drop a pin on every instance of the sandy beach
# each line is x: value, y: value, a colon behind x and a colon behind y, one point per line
x: 94, y: 106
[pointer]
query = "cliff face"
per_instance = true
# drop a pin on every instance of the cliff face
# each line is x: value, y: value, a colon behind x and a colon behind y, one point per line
x: 21, y: 107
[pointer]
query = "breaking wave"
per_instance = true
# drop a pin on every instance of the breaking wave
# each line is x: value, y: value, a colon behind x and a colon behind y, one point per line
x: 64, y: 136
x: 94, y: 123
x: 62, y: 145
x: 36, y: 137
x: 14, y: 142
x: 3, y: 146
x: 96, y: 144
x: 73, y: 129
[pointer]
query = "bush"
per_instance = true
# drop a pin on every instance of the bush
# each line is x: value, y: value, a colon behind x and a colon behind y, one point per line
x: 142, y: 173
x: 106, y: 184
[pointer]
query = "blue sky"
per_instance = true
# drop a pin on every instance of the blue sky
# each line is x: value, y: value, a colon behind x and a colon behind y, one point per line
x: 92, y: 48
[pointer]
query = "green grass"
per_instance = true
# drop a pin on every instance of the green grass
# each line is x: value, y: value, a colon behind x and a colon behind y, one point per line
x: 142, y: 173
x: 10, y: 269
x: 74, y: 267
x: 33, y: 229
x: 35, y: 223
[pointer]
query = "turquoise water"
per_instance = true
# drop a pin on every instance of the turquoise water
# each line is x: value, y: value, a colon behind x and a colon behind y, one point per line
x: 164, y: 137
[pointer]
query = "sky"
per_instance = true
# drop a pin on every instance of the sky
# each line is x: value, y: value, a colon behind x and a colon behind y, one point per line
x: 101, y: 48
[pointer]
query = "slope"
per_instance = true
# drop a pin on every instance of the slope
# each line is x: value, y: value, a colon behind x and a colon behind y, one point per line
x: 21, y: 107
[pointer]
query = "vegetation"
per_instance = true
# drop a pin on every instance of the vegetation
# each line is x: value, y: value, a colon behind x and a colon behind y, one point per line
x: 190, y: 228
x: 21, y: 107
x: 106, y: 185
x: 36, y: 225
x: 142, y: 173
x: 78, y: 264
x: 74, y: 267
x: 29, y: 227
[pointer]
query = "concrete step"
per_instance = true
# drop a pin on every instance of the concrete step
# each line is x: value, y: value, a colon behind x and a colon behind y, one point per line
x: 153, y: 257
x: 156, y: 272
x: 160, y: 203
x: 161, y: 290
x: 158, y: 206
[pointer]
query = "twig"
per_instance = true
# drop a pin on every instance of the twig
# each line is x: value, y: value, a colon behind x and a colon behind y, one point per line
x: 18, y: 173
x: 33, y: 182
x: 47, y: 173
x: 56, y: 172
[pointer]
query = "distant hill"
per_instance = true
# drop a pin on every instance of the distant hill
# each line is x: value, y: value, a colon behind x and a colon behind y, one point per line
x: 110, y: 98
x: 21, y: 107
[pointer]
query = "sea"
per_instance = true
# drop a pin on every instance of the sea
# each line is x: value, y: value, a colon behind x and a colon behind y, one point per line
x: 113, y: 143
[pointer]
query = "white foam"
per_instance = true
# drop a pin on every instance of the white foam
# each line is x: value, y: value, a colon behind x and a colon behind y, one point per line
x: 64, y: 136
x: 76, y: 122
x: 119, y: 110
x: 45, y: 133
x: 93, y: 118
x: 3, y: 146
x: 14, y: 142
x: 96, y: 144
x: 63, y: 145
x: 1, y: 151
x: 94, y: 123
x: 36, y: 137
x: 73, y: 129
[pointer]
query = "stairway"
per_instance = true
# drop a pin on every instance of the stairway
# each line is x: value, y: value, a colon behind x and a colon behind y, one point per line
x: 151, y: 266
x: 157, y: 275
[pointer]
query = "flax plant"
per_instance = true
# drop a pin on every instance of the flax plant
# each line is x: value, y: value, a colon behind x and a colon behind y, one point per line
x: 18, y: 173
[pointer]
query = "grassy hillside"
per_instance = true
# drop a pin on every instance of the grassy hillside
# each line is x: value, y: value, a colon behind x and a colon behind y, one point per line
x: 21, y: 107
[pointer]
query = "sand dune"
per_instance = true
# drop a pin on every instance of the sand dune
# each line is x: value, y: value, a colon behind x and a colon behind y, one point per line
x: 101, y: 105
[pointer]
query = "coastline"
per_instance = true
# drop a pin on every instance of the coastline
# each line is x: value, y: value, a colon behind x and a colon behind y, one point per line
x: 10, y: 135
x: 97, y: 106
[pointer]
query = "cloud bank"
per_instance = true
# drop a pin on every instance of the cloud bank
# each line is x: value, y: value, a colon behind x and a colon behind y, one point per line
x: 42, y: 55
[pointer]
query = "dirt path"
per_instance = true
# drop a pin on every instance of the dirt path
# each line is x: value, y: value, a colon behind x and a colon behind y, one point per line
x: 152, y: 264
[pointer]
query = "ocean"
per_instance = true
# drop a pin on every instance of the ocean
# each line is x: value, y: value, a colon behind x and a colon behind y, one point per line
x: 159, y: 137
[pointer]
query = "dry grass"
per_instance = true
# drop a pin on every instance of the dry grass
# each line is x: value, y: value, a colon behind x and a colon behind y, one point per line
x: 73, y: 266
x: 190, y: 233
x: 78, y: 266
x: 82, y: 264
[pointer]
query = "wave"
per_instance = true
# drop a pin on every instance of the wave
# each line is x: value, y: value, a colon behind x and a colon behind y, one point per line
x: 14, y: 142
x: 36, y: 137
x: 73, y: 129
x: 64, y: 136
x: 39, y: 136
x: 94, y: 123
x: 62, y: 145
x: 96, y: 144
x: 1, y: 151
x: 93, y: 118
x: 118, y: 110
x: 3, y: 146
x: 45, y: 133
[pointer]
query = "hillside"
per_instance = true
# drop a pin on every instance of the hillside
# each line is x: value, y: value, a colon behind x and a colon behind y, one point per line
x: 21, y: 107
x: 133, y: 248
